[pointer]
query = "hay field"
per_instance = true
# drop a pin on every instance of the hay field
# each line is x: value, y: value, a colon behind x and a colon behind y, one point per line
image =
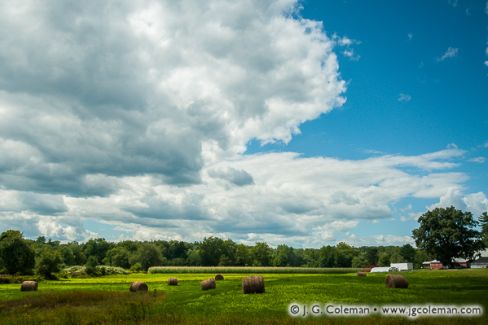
x: 107, y: 300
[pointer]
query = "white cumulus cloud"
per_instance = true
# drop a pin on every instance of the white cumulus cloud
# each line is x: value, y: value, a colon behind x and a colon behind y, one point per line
x: 450, y: 53
x: 136, y: 115
x: 152, y: 87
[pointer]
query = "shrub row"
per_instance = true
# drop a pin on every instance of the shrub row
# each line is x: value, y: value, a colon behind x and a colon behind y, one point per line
x: 80, y: 271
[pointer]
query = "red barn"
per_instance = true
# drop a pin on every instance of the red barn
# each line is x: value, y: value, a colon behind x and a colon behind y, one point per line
x: 457, y: 263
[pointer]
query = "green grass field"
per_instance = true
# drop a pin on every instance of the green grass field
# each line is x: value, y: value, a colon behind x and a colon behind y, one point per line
x: 106, y: 300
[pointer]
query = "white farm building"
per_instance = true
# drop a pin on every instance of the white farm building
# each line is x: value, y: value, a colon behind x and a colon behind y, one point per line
x: 381, y: 269
x: 402, y: 266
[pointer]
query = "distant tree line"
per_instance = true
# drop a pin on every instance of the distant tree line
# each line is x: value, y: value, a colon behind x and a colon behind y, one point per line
x: 442, y: 233
x: 45, y: 257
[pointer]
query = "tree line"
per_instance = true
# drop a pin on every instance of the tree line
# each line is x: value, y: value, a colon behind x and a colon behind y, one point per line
x: 24, y: 256
x: 45, y: 257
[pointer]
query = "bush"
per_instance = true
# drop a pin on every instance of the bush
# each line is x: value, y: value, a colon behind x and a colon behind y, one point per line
x: 136, y: 267
x: 75, y: 271
x: 78, y: 271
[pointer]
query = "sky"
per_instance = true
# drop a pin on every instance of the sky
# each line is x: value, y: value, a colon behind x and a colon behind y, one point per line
x: 304, y: 123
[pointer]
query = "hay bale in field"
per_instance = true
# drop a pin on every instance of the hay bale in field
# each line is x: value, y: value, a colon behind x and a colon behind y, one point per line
x: 28, y: 286
x: 208, y: 284
x: 219, y: 277
x: 253, y: 284
x: 138, y: 286
x: 362, y: 274
x: 366, y: 269
x: 173, y: 281
x: 396, y: 281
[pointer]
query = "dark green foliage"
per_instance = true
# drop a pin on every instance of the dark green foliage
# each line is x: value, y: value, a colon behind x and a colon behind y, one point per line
x: 97, y: 247
x: 484, y: 228
x: 48, y: 262
x: 174, y: 249
x: 371, y: 255
x: 147, y: 255
x: 361, y: 260
x: 327, y: 256
x: 344, y: 254
x: 420, y: 257
x: 384, y: 258
x: 243, y: 255
x: 194, y: 258
x: 407, y: 252
x: 213, y: 250
x: 91, y: 265
x: 117, y: 256
x: 67, y: 255
x: 446, y: 233
x: 136, y: 267
x: 16, y: 255
x: 285, y: 256
x: 261, y: 253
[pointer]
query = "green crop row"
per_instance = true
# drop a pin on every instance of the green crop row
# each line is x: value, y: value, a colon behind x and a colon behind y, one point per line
x: 249, y: 269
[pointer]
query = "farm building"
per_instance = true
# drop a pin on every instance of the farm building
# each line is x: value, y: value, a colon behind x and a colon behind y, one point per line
x: 484, y: 253
x: 460, y: 263
x: 433, y: 265
x: 380, y: 269
x: 480, y: 263
x: 402, y: 266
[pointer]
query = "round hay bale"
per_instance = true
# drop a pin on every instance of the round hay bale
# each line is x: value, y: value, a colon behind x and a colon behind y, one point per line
x: 138, y: 286
x: 253, y: 284
x: 366, y: 269
x: 28, y: 286
x: 173, y: 281
x: 362, y: 274
x: 208, y: 284
x: 219, y: 277
x: 396, y: 281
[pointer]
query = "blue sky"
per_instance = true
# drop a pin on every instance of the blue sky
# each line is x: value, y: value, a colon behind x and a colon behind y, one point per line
x: 306, y: 123
x: 398, y: 48
x: 448, y: 98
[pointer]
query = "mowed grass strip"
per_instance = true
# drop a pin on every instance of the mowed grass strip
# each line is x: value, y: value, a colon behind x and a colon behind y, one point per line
x: 108, y: 300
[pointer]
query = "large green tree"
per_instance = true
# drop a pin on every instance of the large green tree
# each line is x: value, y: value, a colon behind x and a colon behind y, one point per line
x: 361, y: 260
x: 448, y: 233
x: 261, y: 253
x: 117, y: 256
x: 16, y: 255
x: 327, y: 256
x: 284, y: 256
x: 484, y: 228
x: 96, y: 247
x: 407, y: 252
x: 211, y: 250
x: 344, y: 254
x: 147, y: 255
x: 48, y: 262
